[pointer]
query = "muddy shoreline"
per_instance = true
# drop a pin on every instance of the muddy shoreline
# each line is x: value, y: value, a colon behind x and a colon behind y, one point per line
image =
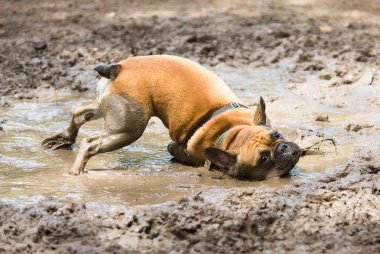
x: 331, y: 54
x: 337, y: 213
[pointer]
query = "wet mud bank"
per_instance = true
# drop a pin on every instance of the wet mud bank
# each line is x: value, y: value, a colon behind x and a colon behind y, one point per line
x: 315, y: 62
x: 338, y: 212
x: 56, y: 45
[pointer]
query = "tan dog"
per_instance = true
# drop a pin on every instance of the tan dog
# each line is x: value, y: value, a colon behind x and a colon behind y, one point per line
x: 205, y: 119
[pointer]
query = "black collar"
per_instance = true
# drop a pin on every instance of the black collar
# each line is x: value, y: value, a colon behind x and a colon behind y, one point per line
x: 210, y: 116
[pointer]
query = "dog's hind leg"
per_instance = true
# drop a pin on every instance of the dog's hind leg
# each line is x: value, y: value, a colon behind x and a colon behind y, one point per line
x: 80, y: 116
x: 180, y: 154
x: 125, y: 122
x: 101, y: 144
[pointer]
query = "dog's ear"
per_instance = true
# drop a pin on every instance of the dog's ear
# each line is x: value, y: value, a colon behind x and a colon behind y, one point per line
x: 109, y: 72
x: 220, y: 158
x: 260, y: 117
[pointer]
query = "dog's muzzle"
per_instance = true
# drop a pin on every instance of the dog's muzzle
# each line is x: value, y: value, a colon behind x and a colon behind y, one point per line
x: 286, y: 156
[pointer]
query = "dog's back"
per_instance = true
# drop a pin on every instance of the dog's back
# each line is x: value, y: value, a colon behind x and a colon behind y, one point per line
x: 178, y: 91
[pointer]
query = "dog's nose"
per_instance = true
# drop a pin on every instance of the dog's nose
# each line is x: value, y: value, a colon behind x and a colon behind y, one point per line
x: 288, y: 148
x: 283, y: 148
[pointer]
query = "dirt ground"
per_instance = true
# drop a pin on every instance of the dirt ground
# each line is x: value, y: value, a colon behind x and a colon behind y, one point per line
x: 55, y: 44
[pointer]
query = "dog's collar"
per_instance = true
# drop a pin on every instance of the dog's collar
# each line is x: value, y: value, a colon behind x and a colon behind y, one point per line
x: 221, y: 139
x: 211, y: 115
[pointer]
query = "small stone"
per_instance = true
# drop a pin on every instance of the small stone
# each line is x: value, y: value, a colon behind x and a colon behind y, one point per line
x: 325, y: 76
x: 39, y: 45
x: 4, y: 104
x: 35, y: 61
x: 322, y: 118
x: 281, y: 34
x: 325, y: 29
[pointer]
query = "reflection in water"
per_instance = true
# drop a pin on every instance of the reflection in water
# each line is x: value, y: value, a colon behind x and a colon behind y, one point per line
x: 141, y: 173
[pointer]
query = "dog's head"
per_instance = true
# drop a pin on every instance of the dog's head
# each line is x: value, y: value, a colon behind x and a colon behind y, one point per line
x: 262, y: 152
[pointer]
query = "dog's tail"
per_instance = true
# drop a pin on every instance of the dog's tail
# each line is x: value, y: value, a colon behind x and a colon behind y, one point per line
x: 108, y: 72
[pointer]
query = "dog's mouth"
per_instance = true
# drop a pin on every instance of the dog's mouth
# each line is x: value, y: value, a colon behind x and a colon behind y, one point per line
x: 286, y: 156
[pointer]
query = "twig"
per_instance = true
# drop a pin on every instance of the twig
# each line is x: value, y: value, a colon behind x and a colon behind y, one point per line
x: 372, y: 79
x: 317, y: 145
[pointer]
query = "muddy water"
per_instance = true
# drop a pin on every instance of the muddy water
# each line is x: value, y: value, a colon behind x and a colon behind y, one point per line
x: 143, y: 173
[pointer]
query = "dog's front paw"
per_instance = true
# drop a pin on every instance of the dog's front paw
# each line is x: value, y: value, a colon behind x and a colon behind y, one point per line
x: 59, y: 141
x: 171, y: 147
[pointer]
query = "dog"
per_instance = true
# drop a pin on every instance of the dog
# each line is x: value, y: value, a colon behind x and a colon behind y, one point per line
x: 206, y: 120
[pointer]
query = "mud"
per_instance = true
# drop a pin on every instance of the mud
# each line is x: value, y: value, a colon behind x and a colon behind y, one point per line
x: 55, y: 44
x: 313, y: 60
x: 336, y: 213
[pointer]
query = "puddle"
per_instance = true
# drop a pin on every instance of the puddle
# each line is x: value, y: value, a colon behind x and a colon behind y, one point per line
x: 142, y: 173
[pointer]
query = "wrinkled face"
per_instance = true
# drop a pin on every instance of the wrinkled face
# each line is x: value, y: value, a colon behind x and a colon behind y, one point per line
x: 265, y: 154
x: 260, y: 152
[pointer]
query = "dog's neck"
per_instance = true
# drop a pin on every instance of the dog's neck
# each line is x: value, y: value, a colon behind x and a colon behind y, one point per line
x: 234, y: 138
x: 232, y: 121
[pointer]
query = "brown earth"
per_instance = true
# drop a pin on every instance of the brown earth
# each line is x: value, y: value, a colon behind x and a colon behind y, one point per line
x: 46, y: 43
x: 55, y: 44
x: 338, y: 213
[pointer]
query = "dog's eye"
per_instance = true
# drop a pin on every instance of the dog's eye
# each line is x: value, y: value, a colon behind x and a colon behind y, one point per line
x: 277, y: 135
x: 263, y: 158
